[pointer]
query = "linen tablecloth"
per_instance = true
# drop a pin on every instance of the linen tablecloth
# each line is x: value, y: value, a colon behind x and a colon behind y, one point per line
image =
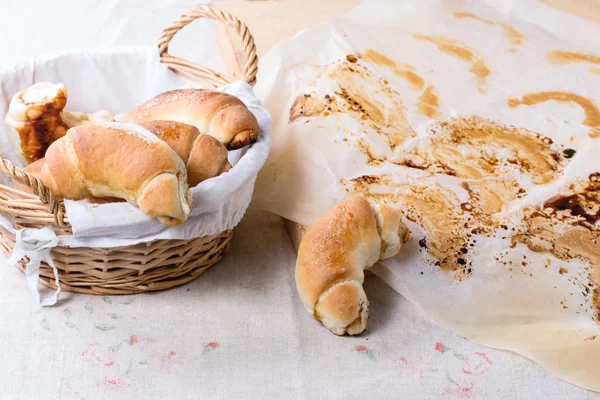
x: 240, y: 330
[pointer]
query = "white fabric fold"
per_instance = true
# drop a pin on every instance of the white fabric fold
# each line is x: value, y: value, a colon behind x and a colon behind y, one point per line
x: 36, y: 245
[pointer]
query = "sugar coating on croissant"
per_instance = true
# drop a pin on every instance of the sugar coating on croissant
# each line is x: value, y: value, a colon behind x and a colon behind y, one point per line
x: 217, y: 114
x: 119, y: 160
x: 334, y: 252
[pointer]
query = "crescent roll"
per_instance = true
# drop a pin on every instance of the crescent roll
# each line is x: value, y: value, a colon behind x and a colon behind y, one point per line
x: 35, y: 169
x: 334, y: 252
x: 217, y: 114
x: 36, y: 118
x: 204, y: 156
x: 119, y: 160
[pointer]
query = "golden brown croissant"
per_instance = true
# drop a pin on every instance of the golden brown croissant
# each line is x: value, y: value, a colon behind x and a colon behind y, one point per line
x: 35, y: 169
x: 36, y: 118
x: 205, y: 157
x: 217, y: 114
x: 334, y: 252
x: 119, y: 160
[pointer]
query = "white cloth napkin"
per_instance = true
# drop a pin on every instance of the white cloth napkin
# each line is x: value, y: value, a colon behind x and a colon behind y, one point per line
x: 36, y: 245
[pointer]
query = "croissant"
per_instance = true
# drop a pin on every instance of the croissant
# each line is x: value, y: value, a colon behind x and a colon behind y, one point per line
x: 36, y: 118
x: 217, y: 114
x: 119, y: 160
x: 35, y: 169
x: 205, y: 157
x: 334, y: 252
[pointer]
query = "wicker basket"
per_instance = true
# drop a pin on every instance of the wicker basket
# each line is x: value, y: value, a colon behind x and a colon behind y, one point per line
x: 157, y: 265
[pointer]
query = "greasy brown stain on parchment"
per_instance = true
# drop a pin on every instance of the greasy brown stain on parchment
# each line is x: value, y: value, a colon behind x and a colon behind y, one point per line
x: 359, y: 98
x: 460, y: 51
x: 569, y: 57
x: 428, y: 101
x: 474, y: 148
x: 415, y: 81
x: 486, y: 156
x: 449, y: 225
x: 407, y: 66
x: 379, y: 59
x: 592, y: 114
x: 359, y: 94
x: 435, y: 208
x: 490, y: 196
x: 306, y: 106
x: 514, y: 36
x: 567, y: 227
x: 404, y: 71
x: 382, y: 60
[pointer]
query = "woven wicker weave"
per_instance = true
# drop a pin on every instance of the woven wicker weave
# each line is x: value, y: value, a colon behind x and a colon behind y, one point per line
x: 158, y: 265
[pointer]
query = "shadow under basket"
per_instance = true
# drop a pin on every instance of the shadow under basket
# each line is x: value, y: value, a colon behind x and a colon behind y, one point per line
x: 142, y: 267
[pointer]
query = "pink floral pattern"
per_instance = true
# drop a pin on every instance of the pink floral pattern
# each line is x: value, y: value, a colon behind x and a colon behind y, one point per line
x: 478, y: 367
x: 459, y: 369
x: 364, y: 350
x: 439, y: 346
x: 210, y: 347
x: 118, y: 362
x: 461, y: 392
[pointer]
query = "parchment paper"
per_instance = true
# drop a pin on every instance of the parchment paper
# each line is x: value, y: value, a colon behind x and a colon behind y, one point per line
x: 480, y: 120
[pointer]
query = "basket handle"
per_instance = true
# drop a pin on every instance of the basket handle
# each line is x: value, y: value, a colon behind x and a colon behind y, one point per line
x: 38, y: 188
x: 179, y: 65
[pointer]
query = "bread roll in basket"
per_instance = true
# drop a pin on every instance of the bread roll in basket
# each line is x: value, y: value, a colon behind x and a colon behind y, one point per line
x: 118, y: 259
